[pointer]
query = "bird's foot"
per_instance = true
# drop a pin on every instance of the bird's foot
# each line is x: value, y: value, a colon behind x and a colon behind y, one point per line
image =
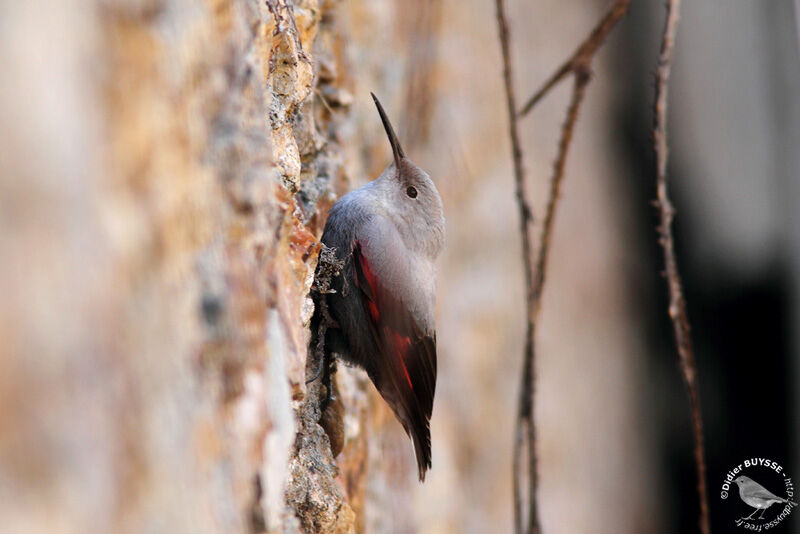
x: 329, y: 369
x: 317, y: 373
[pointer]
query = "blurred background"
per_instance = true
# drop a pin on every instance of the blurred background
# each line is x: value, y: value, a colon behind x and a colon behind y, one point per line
x: 166, y: 166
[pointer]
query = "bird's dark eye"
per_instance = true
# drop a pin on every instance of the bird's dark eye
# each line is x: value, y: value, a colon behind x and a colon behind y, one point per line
x: 411, y: 191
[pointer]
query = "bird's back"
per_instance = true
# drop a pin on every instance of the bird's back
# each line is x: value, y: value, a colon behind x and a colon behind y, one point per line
x: 757, y: 496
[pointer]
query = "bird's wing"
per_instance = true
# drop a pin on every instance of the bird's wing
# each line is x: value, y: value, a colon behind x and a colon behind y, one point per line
x: 399, y: 315
x: 760, y: 492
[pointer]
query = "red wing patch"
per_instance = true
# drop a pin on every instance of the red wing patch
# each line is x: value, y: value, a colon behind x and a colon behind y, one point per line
x: 370, y: 289
x: 401, y: 345
x: 405, y: 370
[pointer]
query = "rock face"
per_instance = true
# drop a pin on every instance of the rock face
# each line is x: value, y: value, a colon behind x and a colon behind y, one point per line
x: 165, y: 168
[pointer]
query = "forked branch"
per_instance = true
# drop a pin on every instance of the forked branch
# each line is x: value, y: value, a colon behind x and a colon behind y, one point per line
x: 581, y: 59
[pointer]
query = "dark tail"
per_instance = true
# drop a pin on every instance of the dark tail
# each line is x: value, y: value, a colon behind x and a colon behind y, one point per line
x: 411, y: 416
x: 422, y: 448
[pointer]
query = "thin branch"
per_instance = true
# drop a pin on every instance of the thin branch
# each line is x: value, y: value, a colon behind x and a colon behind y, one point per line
x: 677, y: 302
x: 525, y: 415
x: 582, y: 80
x: 581, y: 59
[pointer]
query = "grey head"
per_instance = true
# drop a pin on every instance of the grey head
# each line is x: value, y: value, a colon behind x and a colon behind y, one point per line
x: 409, y: 198
x: 742, y: 480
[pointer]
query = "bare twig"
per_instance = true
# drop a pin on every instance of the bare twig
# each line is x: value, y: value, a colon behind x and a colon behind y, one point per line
x: 677, y: 302
x: 525, y: 414
x: 578, y: 92
x: 581, y: 59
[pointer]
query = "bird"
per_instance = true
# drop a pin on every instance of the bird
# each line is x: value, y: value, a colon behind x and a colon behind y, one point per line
x: 757, y: 496
x: 387, y: 236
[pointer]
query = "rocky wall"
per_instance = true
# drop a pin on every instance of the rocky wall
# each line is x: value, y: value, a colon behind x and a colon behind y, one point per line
x: 165, y: 169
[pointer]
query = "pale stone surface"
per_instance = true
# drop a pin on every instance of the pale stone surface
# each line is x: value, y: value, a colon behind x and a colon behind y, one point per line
x: 156, y: 263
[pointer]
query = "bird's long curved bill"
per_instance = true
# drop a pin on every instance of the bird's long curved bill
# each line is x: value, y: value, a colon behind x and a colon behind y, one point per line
x: 397, y: 150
